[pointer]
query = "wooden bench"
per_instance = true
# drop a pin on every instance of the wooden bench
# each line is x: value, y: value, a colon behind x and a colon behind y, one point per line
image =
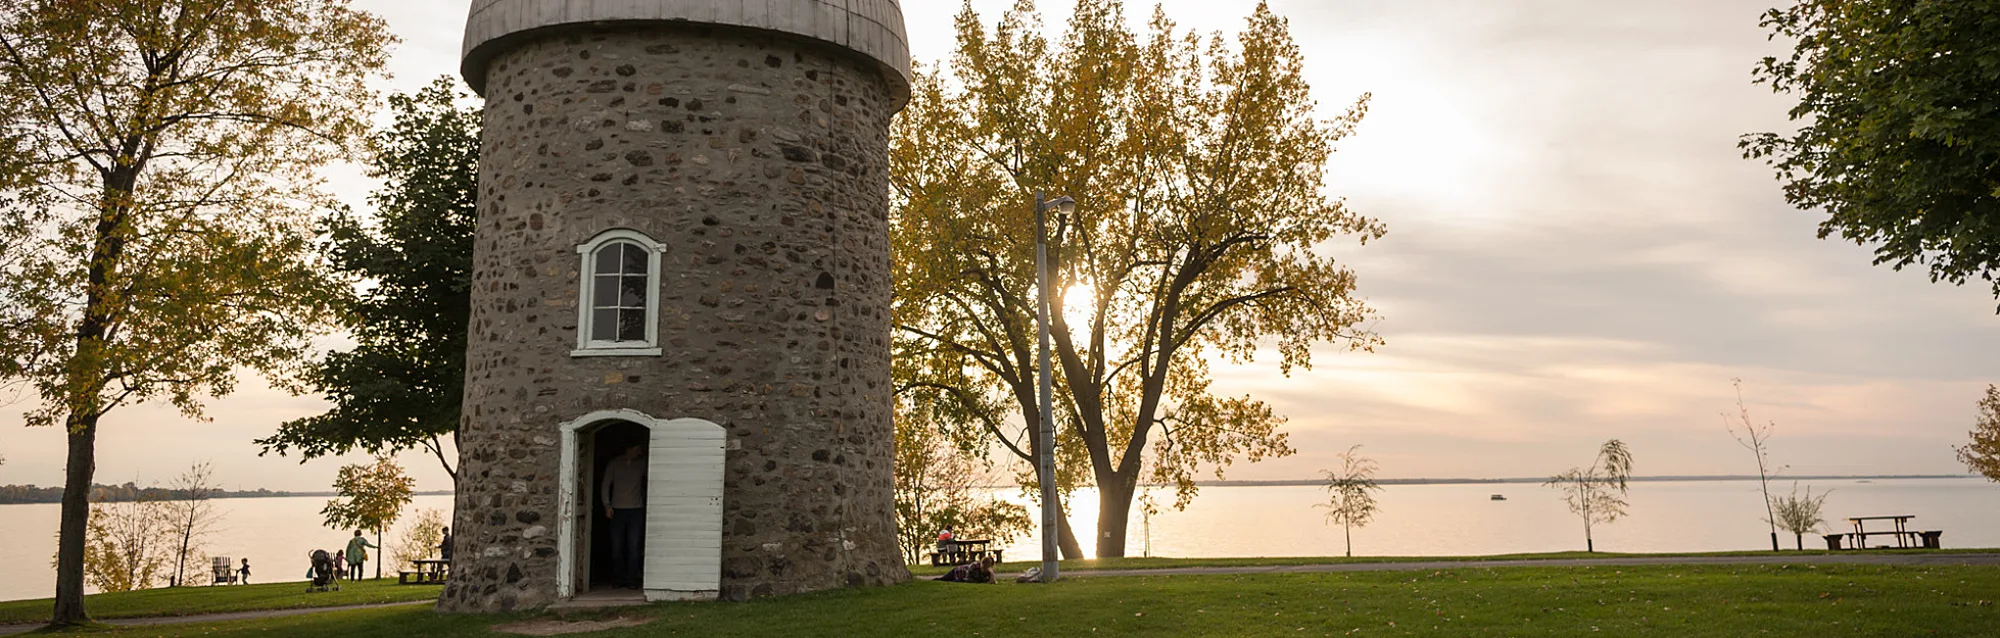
x: 428, y: 572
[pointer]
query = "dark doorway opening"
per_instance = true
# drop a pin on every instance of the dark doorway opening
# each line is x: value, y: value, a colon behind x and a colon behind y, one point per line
x: 608, y: 442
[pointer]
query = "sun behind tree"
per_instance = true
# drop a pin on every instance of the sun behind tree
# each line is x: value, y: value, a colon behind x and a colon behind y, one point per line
x: 1203, y: 232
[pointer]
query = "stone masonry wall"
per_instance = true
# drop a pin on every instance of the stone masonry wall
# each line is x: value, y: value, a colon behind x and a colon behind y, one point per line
x: 760, y: 162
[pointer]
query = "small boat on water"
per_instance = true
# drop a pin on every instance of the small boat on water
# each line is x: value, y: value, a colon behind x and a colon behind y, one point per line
x: 1499, y: 497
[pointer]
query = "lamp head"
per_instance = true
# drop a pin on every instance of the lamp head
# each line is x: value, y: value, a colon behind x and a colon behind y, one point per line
x: 1063, y: 205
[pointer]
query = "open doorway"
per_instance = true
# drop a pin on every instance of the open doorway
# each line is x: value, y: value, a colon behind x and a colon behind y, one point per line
x: 681, y: 533
x: 609, y: 442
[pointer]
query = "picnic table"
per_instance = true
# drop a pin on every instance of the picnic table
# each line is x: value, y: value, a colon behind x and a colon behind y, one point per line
x: 1905, y: 538
x: 960, y: 552
x: 428, y: 571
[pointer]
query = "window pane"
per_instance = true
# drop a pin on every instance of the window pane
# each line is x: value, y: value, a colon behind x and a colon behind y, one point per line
x: 635, y: 260
x: 607, y: 259
x: 631, y: 325
x: 603, y: 324
x: 604, y: 293
x: 632, y: 292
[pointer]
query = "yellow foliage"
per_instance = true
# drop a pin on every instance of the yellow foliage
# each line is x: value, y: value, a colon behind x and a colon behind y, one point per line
x: 420, y: 538
x: 158, y: 192
x: 1202, y: 231
x: 1983, y: 454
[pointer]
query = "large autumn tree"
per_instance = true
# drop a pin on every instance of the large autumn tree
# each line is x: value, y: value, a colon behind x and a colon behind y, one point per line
x: 410, y: 270
x: 1203, y: 232
x: 160, y: 159
x: 1899, y: 143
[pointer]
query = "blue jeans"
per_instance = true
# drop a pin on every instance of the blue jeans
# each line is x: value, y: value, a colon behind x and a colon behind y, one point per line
x: 628, y: 532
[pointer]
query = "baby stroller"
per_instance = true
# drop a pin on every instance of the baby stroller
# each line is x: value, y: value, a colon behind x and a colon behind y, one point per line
x: 322, y: 573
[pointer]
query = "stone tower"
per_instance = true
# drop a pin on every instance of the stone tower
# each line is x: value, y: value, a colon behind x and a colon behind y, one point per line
x: 683, y: 245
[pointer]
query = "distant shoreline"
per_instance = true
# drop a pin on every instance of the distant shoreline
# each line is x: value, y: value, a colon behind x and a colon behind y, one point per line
x: 255, y: 494
x: 240, y: 495
x: 1538, y: 481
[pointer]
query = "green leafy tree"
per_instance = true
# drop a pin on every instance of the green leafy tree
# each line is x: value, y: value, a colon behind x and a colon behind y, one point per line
x: 1597, y: 493
x: 370, y: 498
x: 1350, y: 493
x: 400, y: 387
x: 1799, y: 514
x: 1203, y: 232
x: 1897, y: 100
x: 158, y: 162
x: 1982, y: 455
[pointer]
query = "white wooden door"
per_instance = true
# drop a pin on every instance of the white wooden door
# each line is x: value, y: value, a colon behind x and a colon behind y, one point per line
x: 684, y: 510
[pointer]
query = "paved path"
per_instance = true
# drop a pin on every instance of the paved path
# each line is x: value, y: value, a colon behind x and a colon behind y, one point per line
x: 1856, y: 558
x: 9, y: 630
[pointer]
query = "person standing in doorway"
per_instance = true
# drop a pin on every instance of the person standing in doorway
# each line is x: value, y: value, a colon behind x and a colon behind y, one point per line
x: 357, y: 555
x: 624, y: 495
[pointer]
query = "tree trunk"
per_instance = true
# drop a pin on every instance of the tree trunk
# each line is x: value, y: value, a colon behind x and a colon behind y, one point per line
x: 1114, y: 513
x: 378, y: 554
x: 1349, y: 531
x: 75, y: 521
x: 85, y: 394
x: 1800, y: 539
x: 1066, y: 539
x: 180, y: 557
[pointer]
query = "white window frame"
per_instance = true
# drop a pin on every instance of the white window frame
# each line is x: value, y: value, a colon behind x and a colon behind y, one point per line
x: 586, y: 253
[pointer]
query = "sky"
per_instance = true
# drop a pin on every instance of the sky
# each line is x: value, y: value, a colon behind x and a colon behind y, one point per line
x: 1577, y: 251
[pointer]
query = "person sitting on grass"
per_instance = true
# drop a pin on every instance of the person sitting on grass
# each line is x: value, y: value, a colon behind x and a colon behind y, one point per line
x: 979, y: 572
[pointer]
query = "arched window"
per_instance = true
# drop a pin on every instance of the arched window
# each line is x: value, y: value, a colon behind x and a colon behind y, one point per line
x: 618, y: 305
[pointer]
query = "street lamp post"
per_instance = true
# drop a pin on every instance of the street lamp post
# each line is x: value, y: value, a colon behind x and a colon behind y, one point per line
x: 1045, y: 453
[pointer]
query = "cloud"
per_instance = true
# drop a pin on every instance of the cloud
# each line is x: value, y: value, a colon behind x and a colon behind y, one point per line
x: 1577, y: 251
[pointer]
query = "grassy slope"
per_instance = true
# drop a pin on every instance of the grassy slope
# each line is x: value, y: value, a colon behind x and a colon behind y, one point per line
x: 182, y: 601
x: 1168, y: 563
x: 1827, y: 601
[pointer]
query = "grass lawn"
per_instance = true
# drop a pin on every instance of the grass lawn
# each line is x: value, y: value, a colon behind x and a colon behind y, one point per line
x: 1169, y: 563
x: 1824, y: 601
x: 183, y: 601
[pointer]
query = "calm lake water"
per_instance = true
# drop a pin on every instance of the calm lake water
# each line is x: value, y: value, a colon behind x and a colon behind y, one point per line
x: 1435, y: 520
x: 276, y: 534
